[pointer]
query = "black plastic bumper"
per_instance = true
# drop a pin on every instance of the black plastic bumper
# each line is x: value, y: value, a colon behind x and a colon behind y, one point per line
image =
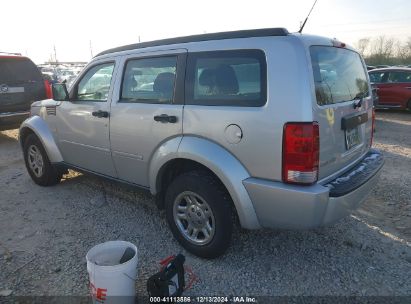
x: 357, y: 176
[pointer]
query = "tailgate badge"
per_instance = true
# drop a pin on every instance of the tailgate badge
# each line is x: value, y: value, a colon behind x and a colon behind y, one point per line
x: 3, y: 88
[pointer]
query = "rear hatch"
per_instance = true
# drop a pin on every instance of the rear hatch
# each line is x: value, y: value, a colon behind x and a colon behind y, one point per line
x: 21, y: 83
x: 342, y: 107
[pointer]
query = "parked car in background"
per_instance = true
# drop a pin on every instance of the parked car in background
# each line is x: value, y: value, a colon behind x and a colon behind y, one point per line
x: 393, y: 87
x: 21, y: 83
x: 370, y: 67
x: 47, y: 69
x: 49, y: 76
x: 217, y: 124
x: 65, y: 75
x: 382, y: 66
x: 61, y: 72
x: 374, y: 94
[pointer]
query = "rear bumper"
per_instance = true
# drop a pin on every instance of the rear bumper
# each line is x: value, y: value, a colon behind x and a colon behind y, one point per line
x: 12, y: 120
x: 280, y: 205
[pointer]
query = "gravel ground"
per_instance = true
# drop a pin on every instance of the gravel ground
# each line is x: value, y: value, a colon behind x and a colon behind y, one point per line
x: 45, y: 234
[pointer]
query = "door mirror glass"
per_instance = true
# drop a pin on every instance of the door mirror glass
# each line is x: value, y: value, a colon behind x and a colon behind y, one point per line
x: 60, y: 92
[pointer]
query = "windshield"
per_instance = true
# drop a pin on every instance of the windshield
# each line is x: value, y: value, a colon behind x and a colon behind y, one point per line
x: 339, y: 75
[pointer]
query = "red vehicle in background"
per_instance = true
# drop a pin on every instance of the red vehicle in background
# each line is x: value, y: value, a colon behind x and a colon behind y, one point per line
x: 393, y: 87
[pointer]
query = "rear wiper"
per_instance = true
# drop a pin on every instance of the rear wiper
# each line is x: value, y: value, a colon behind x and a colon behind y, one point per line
x: 359, y: 96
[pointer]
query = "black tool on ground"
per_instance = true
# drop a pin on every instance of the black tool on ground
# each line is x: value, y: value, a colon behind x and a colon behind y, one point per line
x: 127, y: 255
x: 169, y: 281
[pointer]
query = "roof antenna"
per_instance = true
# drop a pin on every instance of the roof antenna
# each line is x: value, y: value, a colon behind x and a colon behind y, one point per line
x: 305, y: 21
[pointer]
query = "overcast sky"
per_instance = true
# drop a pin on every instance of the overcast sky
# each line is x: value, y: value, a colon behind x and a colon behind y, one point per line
x: 35, y: 27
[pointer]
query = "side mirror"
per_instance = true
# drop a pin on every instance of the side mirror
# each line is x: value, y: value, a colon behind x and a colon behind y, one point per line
x: 60, y: 92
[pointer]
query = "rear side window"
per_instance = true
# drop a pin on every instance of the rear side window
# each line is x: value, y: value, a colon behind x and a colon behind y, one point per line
x: 403, y: 77
x: 16, y: 69
x: 227, y: 78
x: 149, y: 80
x: 339, y: 75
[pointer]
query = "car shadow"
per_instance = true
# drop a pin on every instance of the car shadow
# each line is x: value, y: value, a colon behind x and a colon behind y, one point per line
x: 105, y: 185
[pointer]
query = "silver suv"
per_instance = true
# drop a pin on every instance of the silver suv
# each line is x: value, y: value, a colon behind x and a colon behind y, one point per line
x: 275, y: 128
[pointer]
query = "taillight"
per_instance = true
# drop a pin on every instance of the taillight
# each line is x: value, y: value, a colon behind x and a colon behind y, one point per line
x: 301, y: 150
x: 372, y: 126
x: 47, y: 86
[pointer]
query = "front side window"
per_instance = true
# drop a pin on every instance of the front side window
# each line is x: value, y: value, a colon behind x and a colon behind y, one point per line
x: 227, y: 78
x: 339, y: 75
x: 95, y: 84
x: 378, y: 77
x: 149, y: 80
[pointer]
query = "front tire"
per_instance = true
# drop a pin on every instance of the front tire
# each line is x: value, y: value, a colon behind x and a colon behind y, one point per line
x: 198, y: 211
x: 41, y: 171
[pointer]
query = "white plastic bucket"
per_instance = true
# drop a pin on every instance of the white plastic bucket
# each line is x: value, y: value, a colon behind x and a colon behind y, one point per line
x: 110, y: 281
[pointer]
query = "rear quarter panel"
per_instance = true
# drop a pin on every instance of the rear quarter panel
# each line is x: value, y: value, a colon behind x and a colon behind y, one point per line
x: 288, y: 99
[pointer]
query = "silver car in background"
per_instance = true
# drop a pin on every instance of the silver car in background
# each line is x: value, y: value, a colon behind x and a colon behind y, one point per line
x: 273, y: 127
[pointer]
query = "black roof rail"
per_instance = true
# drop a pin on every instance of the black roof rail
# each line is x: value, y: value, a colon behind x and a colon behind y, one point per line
x: 8, y: 53
x: 203, y: 37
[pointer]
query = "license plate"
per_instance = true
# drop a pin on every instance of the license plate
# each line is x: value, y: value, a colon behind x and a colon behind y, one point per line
x: 352, y: 138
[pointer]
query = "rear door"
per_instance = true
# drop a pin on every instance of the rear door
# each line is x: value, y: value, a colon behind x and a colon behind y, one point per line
x: 397, y: 90
x: 343, y: 107
x: 147, y: 110
x: 21, y: 84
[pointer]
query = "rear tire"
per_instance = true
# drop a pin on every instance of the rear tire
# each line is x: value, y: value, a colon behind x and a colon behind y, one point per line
x: 409, y: 105
x: 41, y: 171
x: 198, y: 211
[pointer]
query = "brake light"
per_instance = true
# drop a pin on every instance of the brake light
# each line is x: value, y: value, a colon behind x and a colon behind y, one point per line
x: 47, y: 86
x: 338, y: 44
x: 301, y: 150
x: 372, y: 126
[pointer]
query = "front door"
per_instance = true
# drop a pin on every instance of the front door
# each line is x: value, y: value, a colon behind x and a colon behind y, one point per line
x: 147, y: 110
x: 84, y: 121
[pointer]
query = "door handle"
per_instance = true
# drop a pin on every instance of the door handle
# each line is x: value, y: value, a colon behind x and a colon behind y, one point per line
x: 100, y: 114
x: 164, y: 118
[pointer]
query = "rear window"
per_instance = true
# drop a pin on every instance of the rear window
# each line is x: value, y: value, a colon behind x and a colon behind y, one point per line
x: 18, y: 70
x: 227, y: 78
x: 339, y: 75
